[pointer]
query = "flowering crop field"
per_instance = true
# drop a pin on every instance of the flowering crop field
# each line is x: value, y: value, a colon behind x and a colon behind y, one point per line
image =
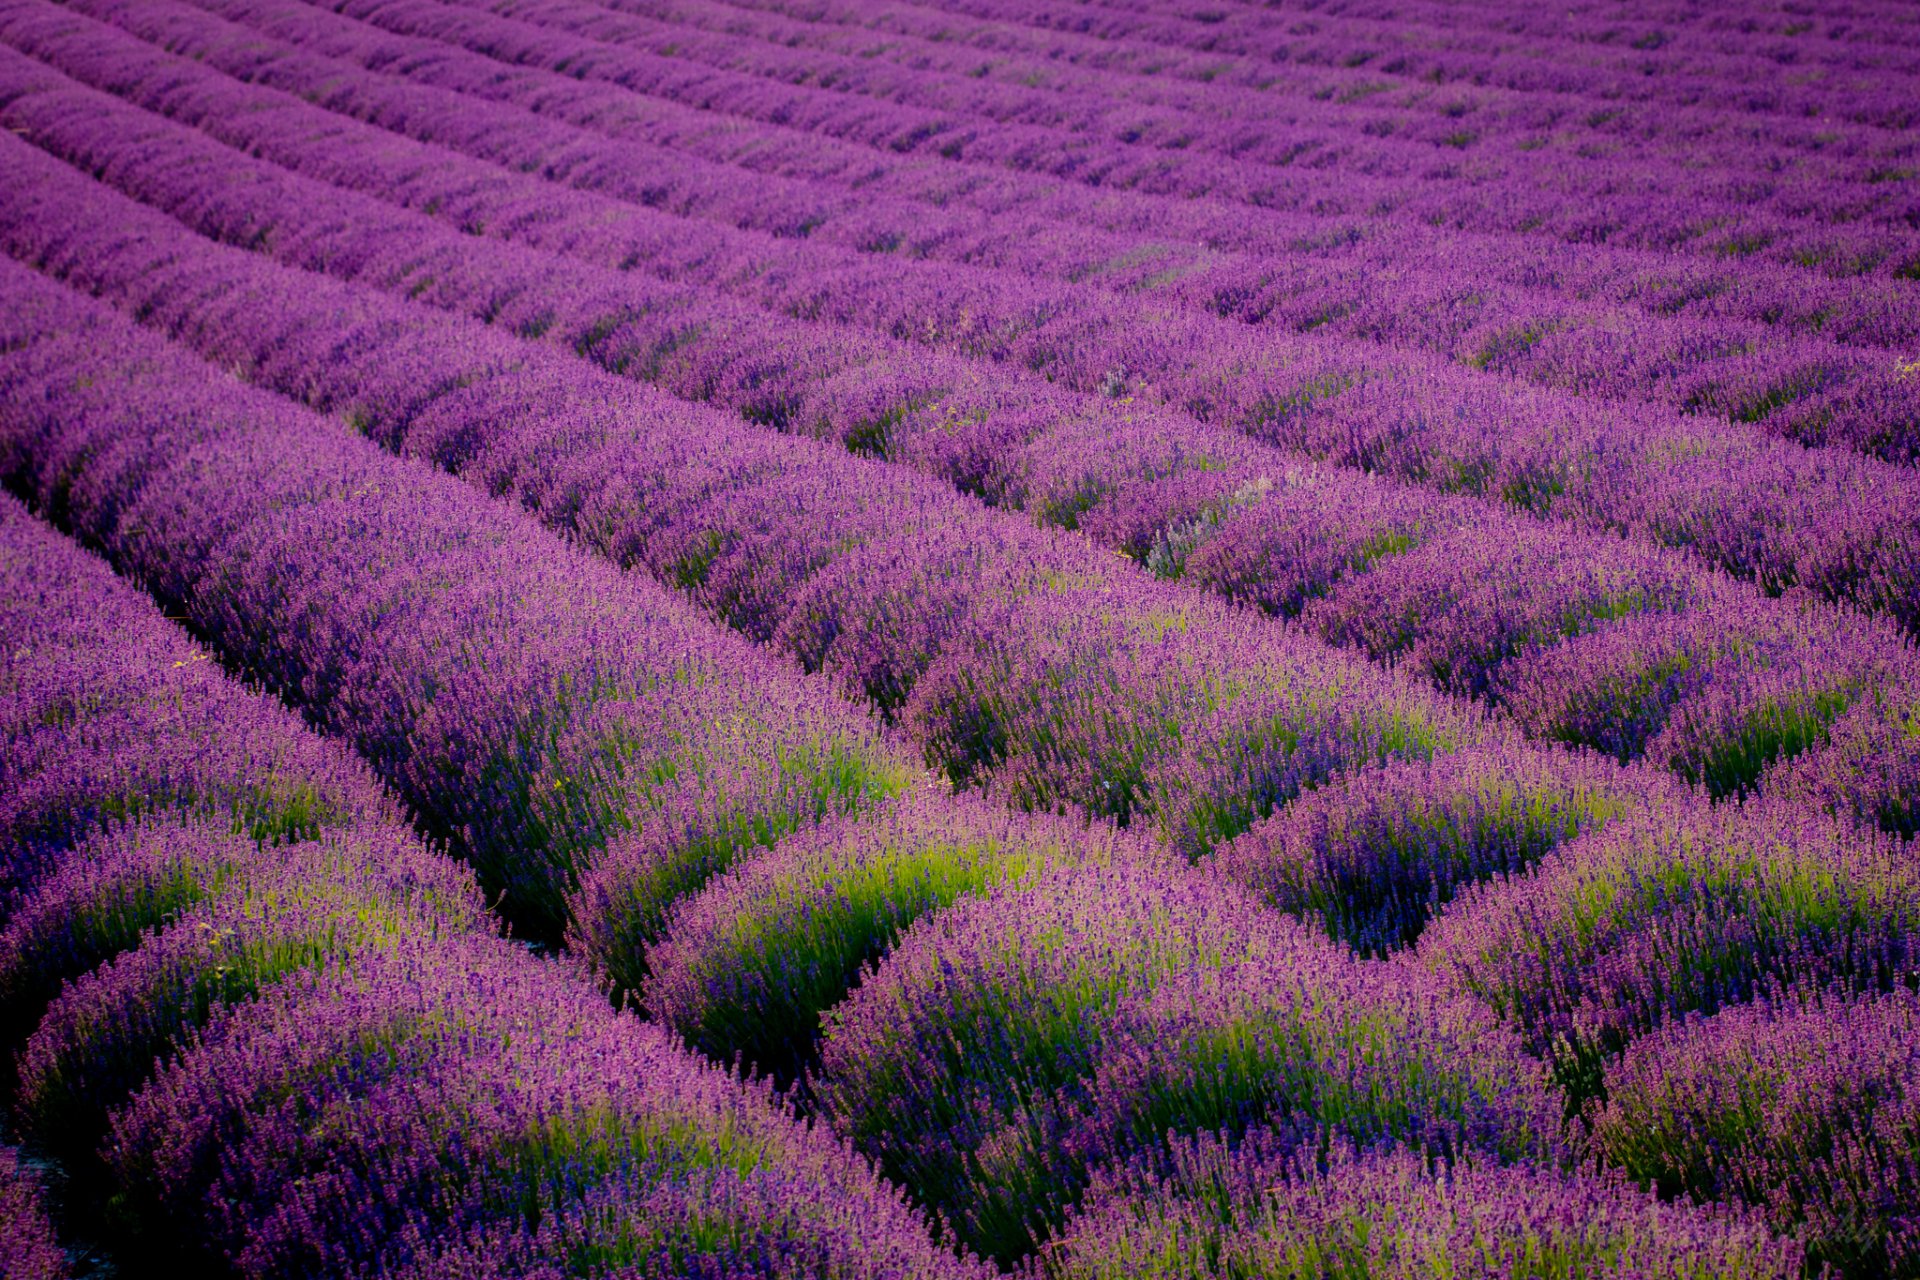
x: 1073, y: 639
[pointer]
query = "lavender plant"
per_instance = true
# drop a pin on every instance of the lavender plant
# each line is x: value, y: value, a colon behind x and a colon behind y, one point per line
x: 1261, y: 1210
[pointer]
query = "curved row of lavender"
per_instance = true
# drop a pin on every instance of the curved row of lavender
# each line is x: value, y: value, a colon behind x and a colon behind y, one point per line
x: 1589, y: 53
x: 531, y: 704
x: 1725, y: 730
x: 1749, y: 685
x: 1114, y: 1087
x: 263, y: 1024
x: 673, y: 1169
x: 1170, y: 68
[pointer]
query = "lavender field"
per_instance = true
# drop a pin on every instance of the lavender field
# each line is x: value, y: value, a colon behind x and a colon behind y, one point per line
x: 1071, y: 639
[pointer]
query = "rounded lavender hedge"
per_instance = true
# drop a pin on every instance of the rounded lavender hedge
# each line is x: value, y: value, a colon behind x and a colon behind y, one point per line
x: 306, y: 906
x: 1261, y: 1210
x: 451, y: 641
x: 1804, y: 1104
x: 674, y: 789
x: 775, y: 1223
x: 311, y: 1056
x: 1867, y: 770
x: 1372, y: 855
x: 109, y: 714
x: 1717, y: 695
x: 1672, y: 910
x: 1456, y: 608
x: 27, y: 1241
x: 749, y: 965
x: 426, y: 1102
x: 1013, y: 1040
x: 103, y: 897
x: 1137, y: 702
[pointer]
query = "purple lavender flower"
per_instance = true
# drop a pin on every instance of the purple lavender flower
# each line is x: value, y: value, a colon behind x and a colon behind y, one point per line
x: 424, y: 1097
x: 310, y: 906
x: 111, y: 714
x: 1869, y: 767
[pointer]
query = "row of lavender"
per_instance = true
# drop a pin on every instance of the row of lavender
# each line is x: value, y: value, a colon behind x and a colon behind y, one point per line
x: 210, y: 932
x: 1063, y: 672
x: 1804, y: 386
x: 1760, y: 901
x: 1805, y: 389
x: 1707, y: 680
x: 27, y: 1236
x: 854, y: 584
x: 1258, y: 119
x: 1069, y: 77
x: 508, y: 1121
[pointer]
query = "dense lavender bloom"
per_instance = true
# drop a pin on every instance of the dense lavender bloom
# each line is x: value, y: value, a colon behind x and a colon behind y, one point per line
x: 1805, y: 1104
x: 1325, y: 1047
x: 105, y: 894
x: 786, y: 162
x: 1671, y: 910
x: 110, y: 714
x: 1263, y: 1209
x: 1714, y: 694
x: 420, y: 1095
x: 879, y: 616
x: 1777, y: 699
x: 361, y: 951
x: 26, y: 1236
x: 959, y: 116
x: 454, y: 643
x: 1065, y: 756
x: 1254, y: 753
x: 1614, y: 687
x: 1464, y: 356
x: 640, y: 352
x: 1458, y: 606
x: 1300, y: 539
x: 307, y: 906
x: 713, y: 787
x: 713, y: 1224
x: 1869, y: 767
x: 1832, y: 549
x: 1010, y: 1041
x: 1158, y: 704
x: 1370, y: 856
x: 749, y: 965
x: 1462, y: 627
x: 958, y: 1063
